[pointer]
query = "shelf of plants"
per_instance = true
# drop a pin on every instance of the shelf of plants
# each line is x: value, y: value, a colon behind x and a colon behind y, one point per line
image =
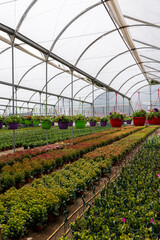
x: 31, y: 205
x: 127, y: 208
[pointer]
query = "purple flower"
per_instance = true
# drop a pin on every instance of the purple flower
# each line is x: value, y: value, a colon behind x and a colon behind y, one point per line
x: 110, y: 113
x: 152, y: 221
x: 123, y: 220
x: 156, y: 109
x: 158, y: 175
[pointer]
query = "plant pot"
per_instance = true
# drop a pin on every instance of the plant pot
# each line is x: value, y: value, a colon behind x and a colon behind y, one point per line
x: 116, y: 122
x: 46, y: 125
x: 1, y: 125
x: 70, y: 124
x: 36, y: 123
x: 50, y: 217
x: 139, y: 121
x: 13, y: 125
x: 28, y: 179
x: 128, y: 121
x: 156, y: 121
x: 80, y: 123
x: 70, y: 201
x: 62, y: 125
x: 92, y: 124
x: 27, y: 121
x: 80, y: 193
x: 18, y: 185
x: 39, y: 228
x: 103, y: 124
x: 52, y: 124
x: 39, y: 175
x: 150, y: 121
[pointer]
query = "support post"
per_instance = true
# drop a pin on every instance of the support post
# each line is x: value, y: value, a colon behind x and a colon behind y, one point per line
x: 40, y: 103
x: 123, y: 104
x: 150, y: 91
x: 72, y: 97
x: 92, y: 98
x: 46, y: 86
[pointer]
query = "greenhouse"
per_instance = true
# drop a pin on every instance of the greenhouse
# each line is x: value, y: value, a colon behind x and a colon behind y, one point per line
x: 79, y: 119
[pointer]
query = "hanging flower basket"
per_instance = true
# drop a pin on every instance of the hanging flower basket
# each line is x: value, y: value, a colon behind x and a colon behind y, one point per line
x: 150, y: 121
x: 93, y: 124
x: 27, y: 121
x: 70, y: 124
x: 103, y: 124
x: 46, y: 124
x: 36, y: 123
x: 139, y: 121
x: 13, y: 125
x: 80, y: 123
x: 156, y: 121
x: 1, y: 125
x: 116, y: 122
x: 62, y: 125
x: 128, y: 121
x: 52, y: 124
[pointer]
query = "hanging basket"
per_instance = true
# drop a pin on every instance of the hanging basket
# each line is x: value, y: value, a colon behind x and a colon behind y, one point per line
x: 27, y: 121
x: 80, y: 123
x: 70, y: 124
x: 150, y: 121
x: 52, y: 124
x: 103, y: 124
x: 1, y: 125
x: 156, y: 121
x: 128, y: 121
x: 139, y: 121
x: 46, y: 125
x: 92, y: 124
x: 36, y: 123
x: 116, y: 122
x: 13, y: 125
x: 62, y: 125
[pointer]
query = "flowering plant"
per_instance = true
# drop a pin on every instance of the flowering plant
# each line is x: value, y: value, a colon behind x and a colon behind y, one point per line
x: 62, y: 118
x: 140, y: 113
x: 12, y: 119
x: 92, y: 119
x: 116, y: 115
x: 79, y: 117
x: 45, y: 118
x: 103, y: 119
x: 1, y: 119
x: 150, y: 115
x: 71, y: 118
x: 156, y: 112
x: 128, y: 118
x: 28, y: 117
x: 36, y: 118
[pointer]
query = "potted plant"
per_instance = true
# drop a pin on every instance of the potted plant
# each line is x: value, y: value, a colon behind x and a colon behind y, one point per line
x: 80, y: 121
x: 22, y: 120
x: 116, y: 119
x: 46, y: 122
x: 53, y: 118
x: 28, y: 120
x: 62, y: 121
x: 1, y: 122
x: 12, y: 121
x: 156, y: 116
x: 139, y: 117
x: 92, y: 120
x: 128, y: 120
x: 71, y: 119
x: 103, y: 121
x: 149, y: 117
x: 36, y: 120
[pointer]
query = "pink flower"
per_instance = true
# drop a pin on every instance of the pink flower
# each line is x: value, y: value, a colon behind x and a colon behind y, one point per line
x: 123, y: 220
x: 152, y: 221
x: 158, y: 175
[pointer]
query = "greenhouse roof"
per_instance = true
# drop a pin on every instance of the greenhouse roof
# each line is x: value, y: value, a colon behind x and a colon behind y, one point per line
x: 76, y: 49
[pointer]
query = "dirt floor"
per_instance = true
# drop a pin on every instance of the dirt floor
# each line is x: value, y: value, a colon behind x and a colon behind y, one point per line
x: 51, y: 227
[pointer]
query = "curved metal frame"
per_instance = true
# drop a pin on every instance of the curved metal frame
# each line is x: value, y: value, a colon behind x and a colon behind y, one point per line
x: 139, y: 89
x: 90, y: 84
x: 133, y: 77
x: 94, y: 91
x: 135, y: 85
x: 135, y: 64
x: 74, y: 19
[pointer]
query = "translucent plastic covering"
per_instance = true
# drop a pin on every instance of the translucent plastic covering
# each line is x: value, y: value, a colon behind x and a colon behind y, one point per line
x: 60, y: 52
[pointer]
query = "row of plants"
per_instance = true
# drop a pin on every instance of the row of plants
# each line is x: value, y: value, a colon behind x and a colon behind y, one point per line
x: 18, y: 172
x: 11, y: 158
x: 127, y: 208
x: 34, y: 137
x: 31, y: 206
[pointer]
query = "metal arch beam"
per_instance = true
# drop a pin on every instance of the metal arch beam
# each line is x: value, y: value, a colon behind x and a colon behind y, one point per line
x: 135, y: 85
x: 69, y: 85
x: 25, y: 15
x: 116, y: 57
x: 53, y: 78
x: 139, y: 89
x: 93, y: 91
x: 74, y: 19
x: 90, y: 84
x: 53, y: 56
x: 153, y: 75
x: 131, y: 78
x: 150, y: 59
x: 152, y: 68
x: 5, y: 50
x: 135, y: 64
